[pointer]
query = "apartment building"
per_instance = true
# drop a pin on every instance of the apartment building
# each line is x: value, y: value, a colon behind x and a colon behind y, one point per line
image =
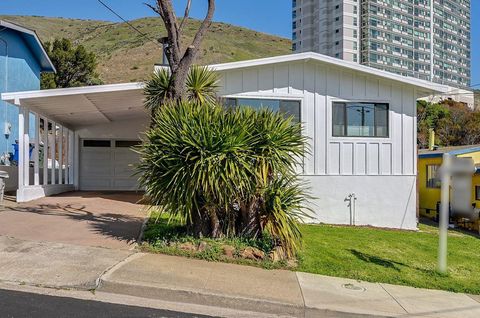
x: 426, y: 39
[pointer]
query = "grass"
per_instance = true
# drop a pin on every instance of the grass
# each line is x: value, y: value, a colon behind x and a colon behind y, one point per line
x: 375, y: 255
x: 125, y: 56
x: 165, y: 236
x: 395, y: 257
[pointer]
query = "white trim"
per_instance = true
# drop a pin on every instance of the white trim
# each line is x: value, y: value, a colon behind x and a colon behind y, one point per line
x: 30, y: 193
x: 21, y: 29
x: 426, y: 85
x: 433, y: 87
x: 10, y: 97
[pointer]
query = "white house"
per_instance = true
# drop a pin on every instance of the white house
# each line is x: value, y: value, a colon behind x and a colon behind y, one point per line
x: 361, y: 123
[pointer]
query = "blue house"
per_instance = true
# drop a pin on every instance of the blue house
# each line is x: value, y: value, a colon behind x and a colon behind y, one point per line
x: 22, y: 60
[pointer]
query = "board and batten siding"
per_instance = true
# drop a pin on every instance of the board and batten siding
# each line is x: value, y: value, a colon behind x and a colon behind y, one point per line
x: 381, y: 172
x: 317, y: 86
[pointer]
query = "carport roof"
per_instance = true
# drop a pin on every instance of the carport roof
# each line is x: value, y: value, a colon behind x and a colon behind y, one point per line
x: 84, y: 106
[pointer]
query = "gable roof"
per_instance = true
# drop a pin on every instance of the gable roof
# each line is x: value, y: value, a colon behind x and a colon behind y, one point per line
x: 454, y: 151
x: 427, y: 86
x: 33, y: 42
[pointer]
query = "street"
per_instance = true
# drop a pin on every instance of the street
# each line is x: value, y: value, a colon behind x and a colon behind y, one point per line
x: 14, y: 304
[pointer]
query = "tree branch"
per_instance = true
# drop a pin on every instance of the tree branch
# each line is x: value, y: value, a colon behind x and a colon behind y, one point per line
x: 185, y: 15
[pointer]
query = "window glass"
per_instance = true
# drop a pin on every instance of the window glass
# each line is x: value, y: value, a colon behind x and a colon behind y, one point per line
x: 433, y: 178
x: 96, y: 143
x: 477, y: 193
x: 338, y: 119
x: 287, y: 107
x: 360, y: 120
x: 126, y: 143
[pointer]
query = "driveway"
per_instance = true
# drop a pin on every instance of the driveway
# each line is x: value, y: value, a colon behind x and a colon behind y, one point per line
x: 111, y: 220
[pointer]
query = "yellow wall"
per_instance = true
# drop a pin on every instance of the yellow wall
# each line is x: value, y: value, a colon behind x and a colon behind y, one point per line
x: 428, y: 197
x: 474, y: 155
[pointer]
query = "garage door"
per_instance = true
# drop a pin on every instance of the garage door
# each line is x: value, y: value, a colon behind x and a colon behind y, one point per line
x: 108, y: 165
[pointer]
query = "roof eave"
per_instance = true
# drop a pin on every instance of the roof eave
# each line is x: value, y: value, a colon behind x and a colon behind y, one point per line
x: 426, y: 87
x: 48, y: 65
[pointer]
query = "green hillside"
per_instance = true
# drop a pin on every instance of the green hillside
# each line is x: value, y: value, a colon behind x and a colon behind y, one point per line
x: 124, y: 55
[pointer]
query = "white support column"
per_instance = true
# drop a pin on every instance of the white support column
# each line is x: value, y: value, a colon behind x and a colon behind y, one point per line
x: 36, y: 152
x: 52, y: 151
x: 26, y: 147
x: 45, y: 151
x: 71, y: 162
x: 21, y: 148
x: 60, y: 155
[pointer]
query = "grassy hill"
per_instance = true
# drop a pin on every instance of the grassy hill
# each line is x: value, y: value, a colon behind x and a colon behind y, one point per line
x: 124, y: 55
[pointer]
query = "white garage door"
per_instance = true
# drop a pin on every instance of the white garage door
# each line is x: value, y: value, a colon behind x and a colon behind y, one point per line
x: 108, y: 165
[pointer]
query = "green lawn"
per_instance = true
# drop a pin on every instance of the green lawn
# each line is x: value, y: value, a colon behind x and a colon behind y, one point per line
x: 396, y: 257
x: 375, y: 255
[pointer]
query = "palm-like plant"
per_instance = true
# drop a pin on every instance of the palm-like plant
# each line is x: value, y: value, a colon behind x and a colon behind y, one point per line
x: 226, y: 172
x: 202, y: 85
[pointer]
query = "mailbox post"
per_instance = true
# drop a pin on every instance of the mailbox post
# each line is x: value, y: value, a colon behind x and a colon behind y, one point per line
x: 461, y: 171
x: 444, y: 217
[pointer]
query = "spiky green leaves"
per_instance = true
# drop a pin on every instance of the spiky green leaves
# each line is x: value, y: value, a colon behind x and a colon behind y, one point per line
x: 212, y: 161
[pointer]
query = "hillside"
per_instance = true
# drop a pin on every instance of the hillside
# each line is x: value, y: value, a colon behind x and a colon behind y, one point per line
x: 125, y: 56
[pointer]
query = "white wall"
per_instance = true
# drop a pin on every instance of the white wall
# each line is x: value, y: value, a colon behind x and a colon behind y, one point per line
x: 129, y: 129
x: 381, y: 170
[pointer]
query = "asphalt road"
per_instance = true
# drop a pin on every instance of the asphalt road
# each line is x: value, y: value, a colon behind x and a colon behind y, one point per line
x: 14, y: 304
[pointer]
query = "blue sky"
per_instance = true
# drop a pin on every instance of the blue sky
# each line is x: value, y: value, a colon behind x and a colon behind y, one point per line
x: 270, y: 16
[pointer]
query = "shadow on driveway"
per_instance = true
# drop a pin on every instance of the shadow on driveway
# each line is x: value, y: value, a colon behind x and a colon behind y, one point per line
x: 111, y: 220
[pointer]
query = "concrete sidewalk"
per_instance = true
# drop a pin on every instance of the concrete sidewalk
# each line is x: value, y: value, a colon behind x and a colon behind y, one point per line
x: 276, y: 291
x: 189, y: 281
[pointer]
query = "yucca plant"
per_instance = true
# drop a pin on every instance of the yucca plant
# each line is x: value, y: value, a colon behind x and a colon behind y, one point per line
x: 226, y: 172
x: 202, y: 85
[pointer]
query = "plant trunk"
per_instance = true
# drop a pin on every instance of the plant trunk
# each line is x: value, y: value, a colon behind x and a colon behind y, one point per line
x: 215, y: 228
x: 178, y: 88
x: 198, y: 226
x: 250, y: 218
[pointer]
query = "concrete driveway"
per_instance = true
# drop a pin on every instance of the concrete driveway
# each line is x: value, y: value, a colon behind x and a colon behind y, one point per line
x: 111, y: 220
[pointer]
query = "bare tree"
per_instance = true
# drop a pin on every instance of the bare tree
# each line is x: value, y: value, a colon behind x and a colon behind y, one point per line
x: 180, y: 60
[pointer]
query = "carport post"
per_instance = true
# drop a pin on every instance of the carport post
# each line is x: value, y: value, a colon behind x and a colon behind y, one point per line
x: 52, y: 151
x: 36, y: 151
x: 60, y: 156
x: 71, y: 139
x: 45, y: 151
x: 21, y: 132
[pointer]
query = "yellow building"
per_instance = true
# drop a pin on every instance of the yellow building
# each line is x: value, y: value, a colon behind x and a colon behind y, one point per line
x: 429, y: 162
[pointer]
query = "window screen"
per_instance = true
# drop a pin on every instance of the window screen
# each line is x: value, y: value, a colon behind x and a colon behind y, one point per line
x: 360, y: 120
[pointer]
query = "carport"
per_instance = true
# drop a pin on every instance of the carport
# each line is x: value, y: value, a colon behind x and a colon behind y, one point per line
x: 81, y: 139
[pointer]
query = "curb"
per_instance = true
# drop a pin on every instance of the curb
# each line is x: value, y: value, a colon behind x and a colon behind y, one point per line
x: 206, y: 298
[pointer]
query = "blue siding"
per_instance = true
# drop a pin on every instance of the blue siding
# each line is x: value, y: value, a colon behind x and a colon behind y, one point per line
x: 19, y: 71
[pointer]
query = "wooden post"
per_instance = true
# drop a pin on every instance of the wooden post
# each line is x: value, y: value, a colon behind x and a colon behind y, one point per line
x: 60, y: 155
x: 45, y: 151
x: 36, y: 152
x: 21, y: 148
x: 71, y: 162
x: 52, y: 151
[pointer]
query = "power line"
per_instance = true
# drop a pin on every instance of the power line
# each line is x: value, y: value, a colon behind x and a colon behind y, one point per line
x: 129, y: 24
